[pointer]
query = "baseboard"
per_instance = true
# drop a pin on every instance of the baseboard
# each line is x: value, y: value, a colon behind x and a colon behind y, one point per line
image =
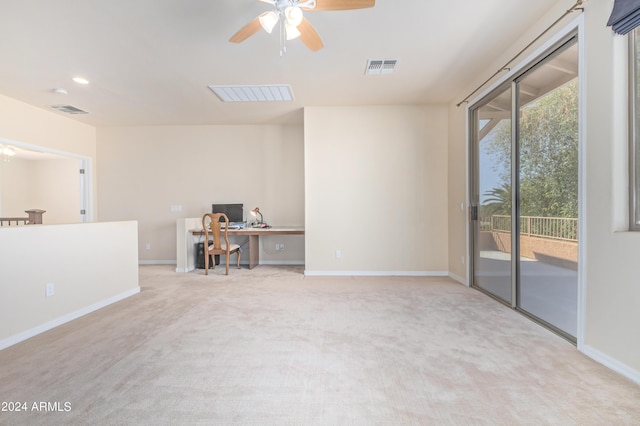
x: 157, y: 262
x: 458, y: 278
x: 611, y: 363
x: 376, y: 273
x: 262, y: 262
x: 10, y: 341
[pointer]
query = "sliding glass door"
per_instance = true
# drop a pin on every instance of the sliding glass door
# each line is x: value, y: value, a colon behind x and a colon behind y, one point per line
x: 548, y: 188
x: 525, y: 191
x: 492, y: 195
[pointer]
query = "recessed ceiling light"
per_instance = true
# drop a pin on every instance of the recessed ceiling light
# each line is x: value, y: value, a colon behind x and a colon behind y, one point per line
x: 60, y: 91
x: 80, y: 80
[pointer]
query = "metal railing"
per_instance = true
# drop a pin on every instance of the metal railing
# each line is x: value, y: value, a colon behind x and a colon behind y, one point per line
x: 557, y: 228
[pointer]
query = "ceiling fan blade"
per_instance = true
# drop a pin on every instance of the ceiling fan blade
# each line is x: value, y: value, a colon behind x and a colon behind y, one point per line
x: 247, y: 31
x: 309, y: 36
x: 342, y: 4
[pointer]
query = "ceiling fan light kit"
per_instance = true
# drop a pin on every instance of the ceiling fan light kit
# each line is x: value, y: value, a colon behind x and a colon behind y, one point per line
x: 292, y: 21
x: 294, y: 15
x: 268, y: 20
x: 292, y: 31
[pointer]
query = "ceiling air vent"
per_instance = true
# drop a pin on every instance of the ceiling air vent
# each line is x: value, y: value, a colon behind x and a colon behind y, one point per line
x: 69, y: 109
x: 262, y: 93
x: 381, y: 66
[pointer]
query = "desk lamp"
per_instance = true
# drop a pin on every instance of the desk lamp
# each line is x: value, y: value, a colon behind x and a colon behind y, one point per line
x: 261, y: 223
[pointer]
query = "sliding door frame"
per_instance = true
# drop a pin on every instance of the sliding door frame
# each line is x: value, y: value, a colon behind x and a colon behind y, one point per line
x: 515, y: 192
x: 564, y: 36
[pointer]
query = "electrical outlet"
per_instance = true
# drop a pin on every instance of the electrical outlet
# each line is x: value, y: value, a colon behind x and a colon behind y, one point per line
x: 462, y: 259
x: 279, y: 246
x: 49, y: 290
x: 148, y: 246
x: 176, y: 208
x: 338, y: 254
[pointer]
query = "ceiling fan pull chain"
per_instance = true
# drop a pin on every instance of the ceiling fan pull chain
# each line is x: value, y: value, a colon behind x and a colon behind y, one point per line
x: 283, y: 48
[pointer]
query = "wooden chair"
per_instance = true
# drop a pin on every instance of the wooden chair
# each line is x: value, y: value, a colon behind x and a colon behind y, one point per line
x: 211, y: 225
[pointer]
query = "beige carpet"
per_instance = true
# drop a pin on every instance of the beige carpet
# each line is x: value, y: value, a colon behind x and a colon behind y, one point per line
x: 272, y: 347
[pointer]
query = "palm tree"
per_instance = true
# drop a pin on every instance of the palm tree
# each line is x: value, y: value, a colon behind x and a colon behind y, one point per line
x: 498, y: 201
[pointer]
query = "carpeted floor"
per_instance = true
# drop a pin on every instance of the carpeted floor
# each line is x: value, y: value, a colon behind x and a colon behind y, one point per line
x: 272, y: 347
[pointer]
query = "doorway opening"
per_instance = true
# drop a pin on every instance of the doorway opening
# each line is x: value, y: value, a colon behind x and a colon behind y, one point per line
x: 44, y: 179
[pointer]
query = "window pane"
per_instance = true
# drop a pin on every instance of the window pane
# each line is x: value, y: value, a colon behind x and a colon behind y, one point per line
x: 548, y: 191
x: 492, y: 144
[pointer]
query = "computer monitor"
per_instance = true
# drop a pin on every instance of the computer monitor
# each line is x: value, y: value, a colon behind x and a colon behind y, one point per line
x: 233, y: 211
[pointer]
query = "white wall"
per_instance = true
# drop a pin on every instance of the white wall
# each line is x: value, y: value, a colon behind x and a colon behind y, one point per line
x: 457, y: 173
x: 90, y: 265
x: 146, y: 170
x: 16, y: 185
x: 52, y: 185
x: 78, y: 258
x: 612, y: 294
x: 376, y: 190
x: 57, y: 190
x: 612, y: 328
x: 32, y: 127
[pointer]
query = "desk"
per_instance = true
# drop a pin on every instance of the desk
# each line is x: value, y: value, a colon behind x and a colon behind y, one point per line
x: 254, y: 238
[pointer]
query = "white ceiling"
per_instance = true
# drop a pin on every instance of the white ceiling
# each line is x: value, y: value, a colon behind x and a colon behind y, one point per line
x: 150, y: 61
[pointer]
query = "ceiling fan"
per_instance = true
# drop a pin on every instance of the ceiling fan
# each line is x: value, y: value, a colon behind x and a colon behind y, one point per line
x: 293, y: 24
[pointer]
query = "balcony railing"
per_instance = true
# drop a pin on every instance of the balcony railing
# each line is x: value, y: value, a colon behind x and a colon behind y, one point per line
x: 557, y: 228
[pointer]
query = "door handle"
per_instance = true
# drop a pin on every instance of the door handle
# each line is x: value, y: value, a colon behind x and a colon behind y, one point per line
x: 473, y: 213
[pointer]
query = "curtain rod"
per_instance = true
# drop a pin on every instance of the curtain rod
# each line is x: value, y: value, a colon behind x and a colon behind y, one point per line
x: 506, y: 67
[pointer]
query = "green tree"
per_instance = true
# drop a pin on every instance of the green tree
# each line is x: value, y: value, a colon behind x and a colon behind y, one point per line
x: 548, y: 153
